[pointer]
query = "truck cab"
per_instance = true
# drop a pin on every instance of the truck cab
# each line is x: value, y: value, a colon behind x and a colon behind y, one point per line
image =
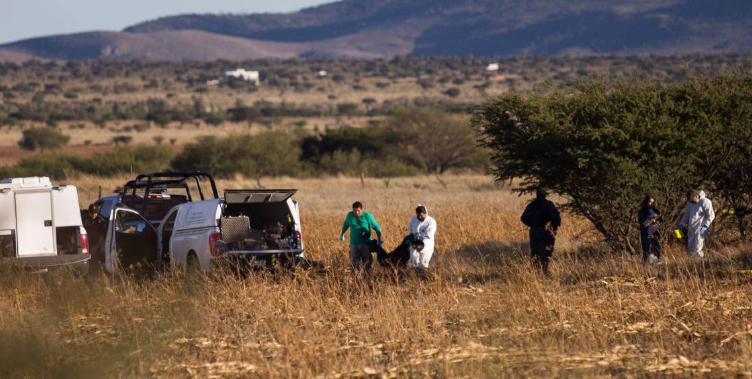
x: 40, y: 225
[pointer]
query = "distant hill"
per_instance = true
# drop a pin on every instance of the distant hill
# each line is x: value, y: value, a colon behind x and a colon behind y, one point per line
x: 384, y: 28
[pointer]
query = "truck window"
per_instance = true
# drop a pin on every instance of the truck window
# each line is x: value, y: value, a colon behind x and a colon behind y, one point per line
x: 131, y: 223
x: 106, y: 209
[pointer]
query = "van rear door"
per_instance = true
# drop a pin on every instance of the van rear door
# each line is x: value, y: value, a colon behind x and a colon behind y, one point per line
x: 35, y: 228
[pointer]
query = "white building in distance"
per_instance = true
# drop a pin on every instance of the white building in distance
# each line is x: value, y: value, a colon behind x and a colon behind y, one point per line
x: 492, y: 67
x: 241, y: 73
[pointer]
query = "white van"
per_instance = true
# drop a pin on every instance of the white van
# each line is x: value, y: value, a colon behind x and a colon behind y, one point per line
x: 40, y: 225
x: 245, y: 228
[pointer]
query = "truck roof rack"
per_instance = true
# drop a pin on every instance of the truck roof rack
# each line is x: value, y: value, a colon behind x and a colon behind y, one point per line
x: 164, y: 180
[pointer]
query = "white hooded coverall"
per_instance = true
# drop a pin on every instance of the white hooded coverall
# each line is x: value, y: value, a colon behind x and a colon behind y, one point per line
x: 424, y: 230
x: 696, y: 216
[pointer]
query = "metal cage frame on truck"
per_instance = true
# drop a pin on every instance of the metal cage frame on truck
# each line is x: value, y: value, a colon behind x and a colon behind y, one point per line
x: 165, y: 180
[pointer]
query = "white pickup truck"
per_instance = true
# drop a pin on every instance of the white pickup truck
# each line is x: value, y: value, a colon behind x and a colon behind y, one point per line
x: 40, y: 225
x: 129, y: 242
x: 244, y: 228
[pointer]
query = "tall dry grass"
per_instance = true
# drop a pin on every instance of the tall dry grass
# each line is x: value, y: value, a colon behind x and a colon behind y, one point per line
x: 482, y: 312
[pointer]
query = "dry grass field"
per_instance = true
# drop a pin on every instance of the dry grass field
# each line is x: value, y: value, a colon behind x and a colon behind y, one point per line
x: 483, y: 312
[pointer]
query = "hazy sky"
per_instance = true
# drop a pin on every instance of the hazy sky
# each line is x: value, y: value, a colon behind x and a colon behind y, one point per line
x: 21, y: 19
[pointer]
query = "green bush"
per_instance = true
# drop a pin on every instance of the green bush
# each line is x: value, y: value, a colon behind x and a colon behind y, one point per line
x: 452, y: 92
x: 53, y: 165
x: 43, y: 139
x: 270, y: 153
x: 352, y: 163
x: 122, y: 160
x: 138, y: 159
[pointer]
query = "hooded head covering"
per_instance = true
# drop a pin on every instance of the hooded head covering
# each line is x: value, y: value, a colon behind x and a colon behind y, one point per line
x: 421, y: 209
x: 692, y: 193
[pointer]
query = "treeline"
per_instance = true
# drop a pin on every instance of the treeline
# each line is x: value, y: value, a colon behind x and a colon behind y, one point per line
x: 162, y: 112
x: 604, y: 144
x: 411, y: 141
x: 36, y: 75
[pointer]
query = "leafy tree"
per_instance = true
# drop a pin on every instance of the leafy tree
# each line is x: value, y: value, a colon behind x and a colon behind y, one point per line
x: 434, y: 139
x: 603, y: 144
x: 43, y: 138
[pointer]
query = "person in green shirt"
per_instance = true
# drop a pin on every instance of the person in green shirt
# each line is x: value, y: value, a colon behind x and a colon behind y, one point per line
x: 360, y: 224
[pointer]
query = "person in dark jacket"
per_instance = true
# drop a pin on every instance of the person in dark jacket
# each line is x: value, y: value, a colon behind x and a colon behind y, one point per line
x: 543, y: 219
x: 649, y: 217
x: 96, y: 228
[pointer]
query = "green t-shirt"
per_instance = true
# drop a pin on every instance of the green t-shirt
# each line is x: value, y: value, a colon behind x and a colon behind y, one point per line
x: 360, y: 225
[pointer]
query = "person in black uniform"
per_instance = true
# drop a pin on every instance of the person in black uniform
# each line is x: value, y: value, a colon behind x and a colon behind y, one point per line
x: 96, y: 229
x: 543, y: 219
x: 650, y: 218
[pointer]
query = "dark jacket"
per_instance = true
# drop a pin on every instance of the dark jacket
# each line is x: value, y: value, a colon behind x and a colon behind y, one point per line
x: 540, y: 213
x: 96, y: 229
x: 644, y: 215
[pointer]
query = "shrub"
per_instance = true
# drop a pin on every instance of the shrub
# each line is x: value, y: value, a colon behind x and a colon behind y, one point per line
x: 452, y: 92
x: 270, y: 153
x: 122, y: 160
x: 347, y: 109
x: 119, y: 161
x: 42, y: 138
x: 117, y: 140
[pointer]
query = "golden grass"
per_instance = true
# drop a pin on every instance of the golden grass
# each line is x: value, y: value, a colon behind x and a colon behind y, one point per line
x: 483, y: 311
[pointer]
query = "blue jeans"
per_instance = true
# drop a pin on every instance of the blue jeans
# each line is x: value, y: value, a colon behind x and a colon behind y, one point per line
x: 648, y: 240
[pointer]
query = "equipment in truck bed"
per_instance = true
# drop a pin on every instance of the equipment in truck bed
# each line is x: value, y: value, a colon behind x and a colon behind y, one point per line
x: 235, y: 229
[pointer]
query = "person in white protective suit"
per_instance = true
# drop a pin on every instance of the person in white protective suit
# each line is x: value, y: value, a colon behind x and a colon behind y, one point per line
x: 698, y: 215
x: 422, y: 227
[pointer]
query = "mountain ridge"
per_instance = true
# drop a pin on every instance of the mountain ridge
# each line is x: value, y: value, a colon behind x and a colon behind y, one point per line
x: 385, y: 28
